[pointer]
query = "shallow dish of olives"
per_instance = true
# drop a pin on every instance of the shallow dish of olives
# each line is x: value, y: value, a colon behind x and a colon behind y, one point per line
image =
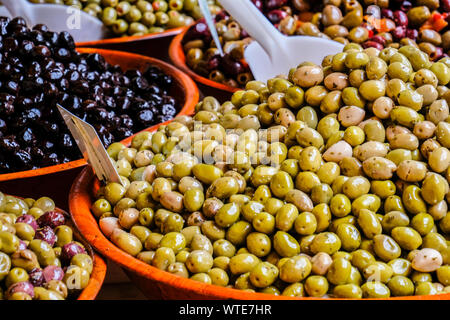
x: 43, y: 256
x: 207, y: 86
x: 330, y: 182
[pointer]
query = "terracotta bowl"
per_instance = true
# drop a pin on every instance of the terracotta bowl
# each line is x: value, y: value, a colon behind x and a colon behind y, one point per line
x: 207, y: 87
x: 153, y: 282
x: 119, y: 40
x: 61, y: 176
x: 99, y: 268
x: 153, y: 45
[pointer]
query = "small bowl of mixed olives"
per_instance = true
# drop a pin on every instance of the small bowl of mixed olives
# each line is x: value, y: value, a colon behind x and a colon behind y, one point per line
x: 42, y: 256
x: 135, y: 20
x: 424, y: 24
x: 329, y: 182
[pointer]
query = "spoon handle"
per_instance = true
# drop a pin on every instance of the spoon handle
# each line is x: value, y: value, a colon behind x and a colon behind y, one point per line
x: 209, y: 21
x: 18, y: 8
x: 255, y: 23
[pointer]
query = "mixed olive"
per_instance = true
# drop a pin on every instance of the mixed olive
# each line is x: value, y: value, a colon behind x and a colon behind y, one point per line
x: 41, y: 69
x: 376, y: 24
x: 39, y: 258
x: 139, y: 17
x: 330, y: 182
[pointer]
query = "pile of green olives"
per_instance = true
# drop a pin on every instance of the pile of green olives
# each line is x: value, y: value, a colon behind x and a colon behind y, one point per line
x: 332, y: 181
x: 139, y: 17
x: 39, y: 258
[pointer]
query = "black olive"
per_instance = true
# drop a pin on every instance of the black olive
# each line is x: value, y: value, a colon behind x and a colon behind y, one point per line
x: 51, y: 37
x: 4, y: 21
x: 41, y: 52
x: 140, y: 104
x: 23, y: 159
x: 11, y: 87
x: 10, y: 44
x: 23, y: 103
x: 145, y: 117
x: 50, y: 160
x: 123, y: 133
x: 66, y: 40
x: 9, y: 144
x: 47, y: 146
x: 107, y: 138
x: 66, y: 141
x: 40, y: 27
x: 37, y: 37
x: 126, y: 121
x: 3, y: 126
x: 27, y: 136
x: 53, y: 74
x: 169, y: 110
x: 96, y: 61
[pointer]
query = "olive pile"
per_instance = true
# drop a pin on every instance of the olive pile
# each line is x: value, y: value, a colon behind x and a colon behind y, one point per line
x: 422, y: 23
x: 331, y: 182
x: 40, y: 69
x: 203, y: 57
x: 139, y: 17
x: 39, y: 259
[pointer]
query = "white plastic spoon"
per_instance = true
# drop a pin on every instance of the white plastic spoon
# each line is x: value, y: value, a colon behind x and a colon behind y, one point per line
x: 273, y: 53
x: 81, y: 25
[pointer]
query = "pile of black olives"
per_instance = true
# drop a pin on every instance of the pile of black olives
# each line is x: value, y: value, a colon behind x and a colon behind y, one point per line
x: 41, y: 69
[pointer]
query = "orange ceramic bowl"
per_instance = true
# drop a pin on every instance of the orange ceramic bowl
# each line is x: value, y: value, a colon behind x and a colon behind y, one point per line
x: 185, y: 91
x: 153, y: 282
x: 99, y: 266
x: 207, y: 86
x: 121, y: 40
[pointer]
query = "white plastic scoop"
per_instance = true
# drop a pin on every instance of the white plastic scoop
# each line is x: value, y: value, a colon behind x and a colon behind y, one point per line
x: 273, y: 53
x: 81, y: 25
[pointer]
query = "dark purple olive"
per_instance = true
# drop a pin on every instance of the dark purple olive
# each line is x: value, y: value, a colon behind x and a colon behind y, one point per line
x: 400, y: 18
x: 231, y: 66
x: 275, y: 16
x: 36, y: 277
x: 24, y: 287
x: 405, y: 6
x: 258, y: 4
x: 71, y: 249
x: 379, y: 39
x: 53, y: 273
x: 28, y: 219
x: 399, y: 33
x: 412, y: 33
x: 372, y: 44
x: 445, y: 5
x: 387, y: 13
x: 46, y: 234
x: 274, y: 4
x: 51, y: 219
